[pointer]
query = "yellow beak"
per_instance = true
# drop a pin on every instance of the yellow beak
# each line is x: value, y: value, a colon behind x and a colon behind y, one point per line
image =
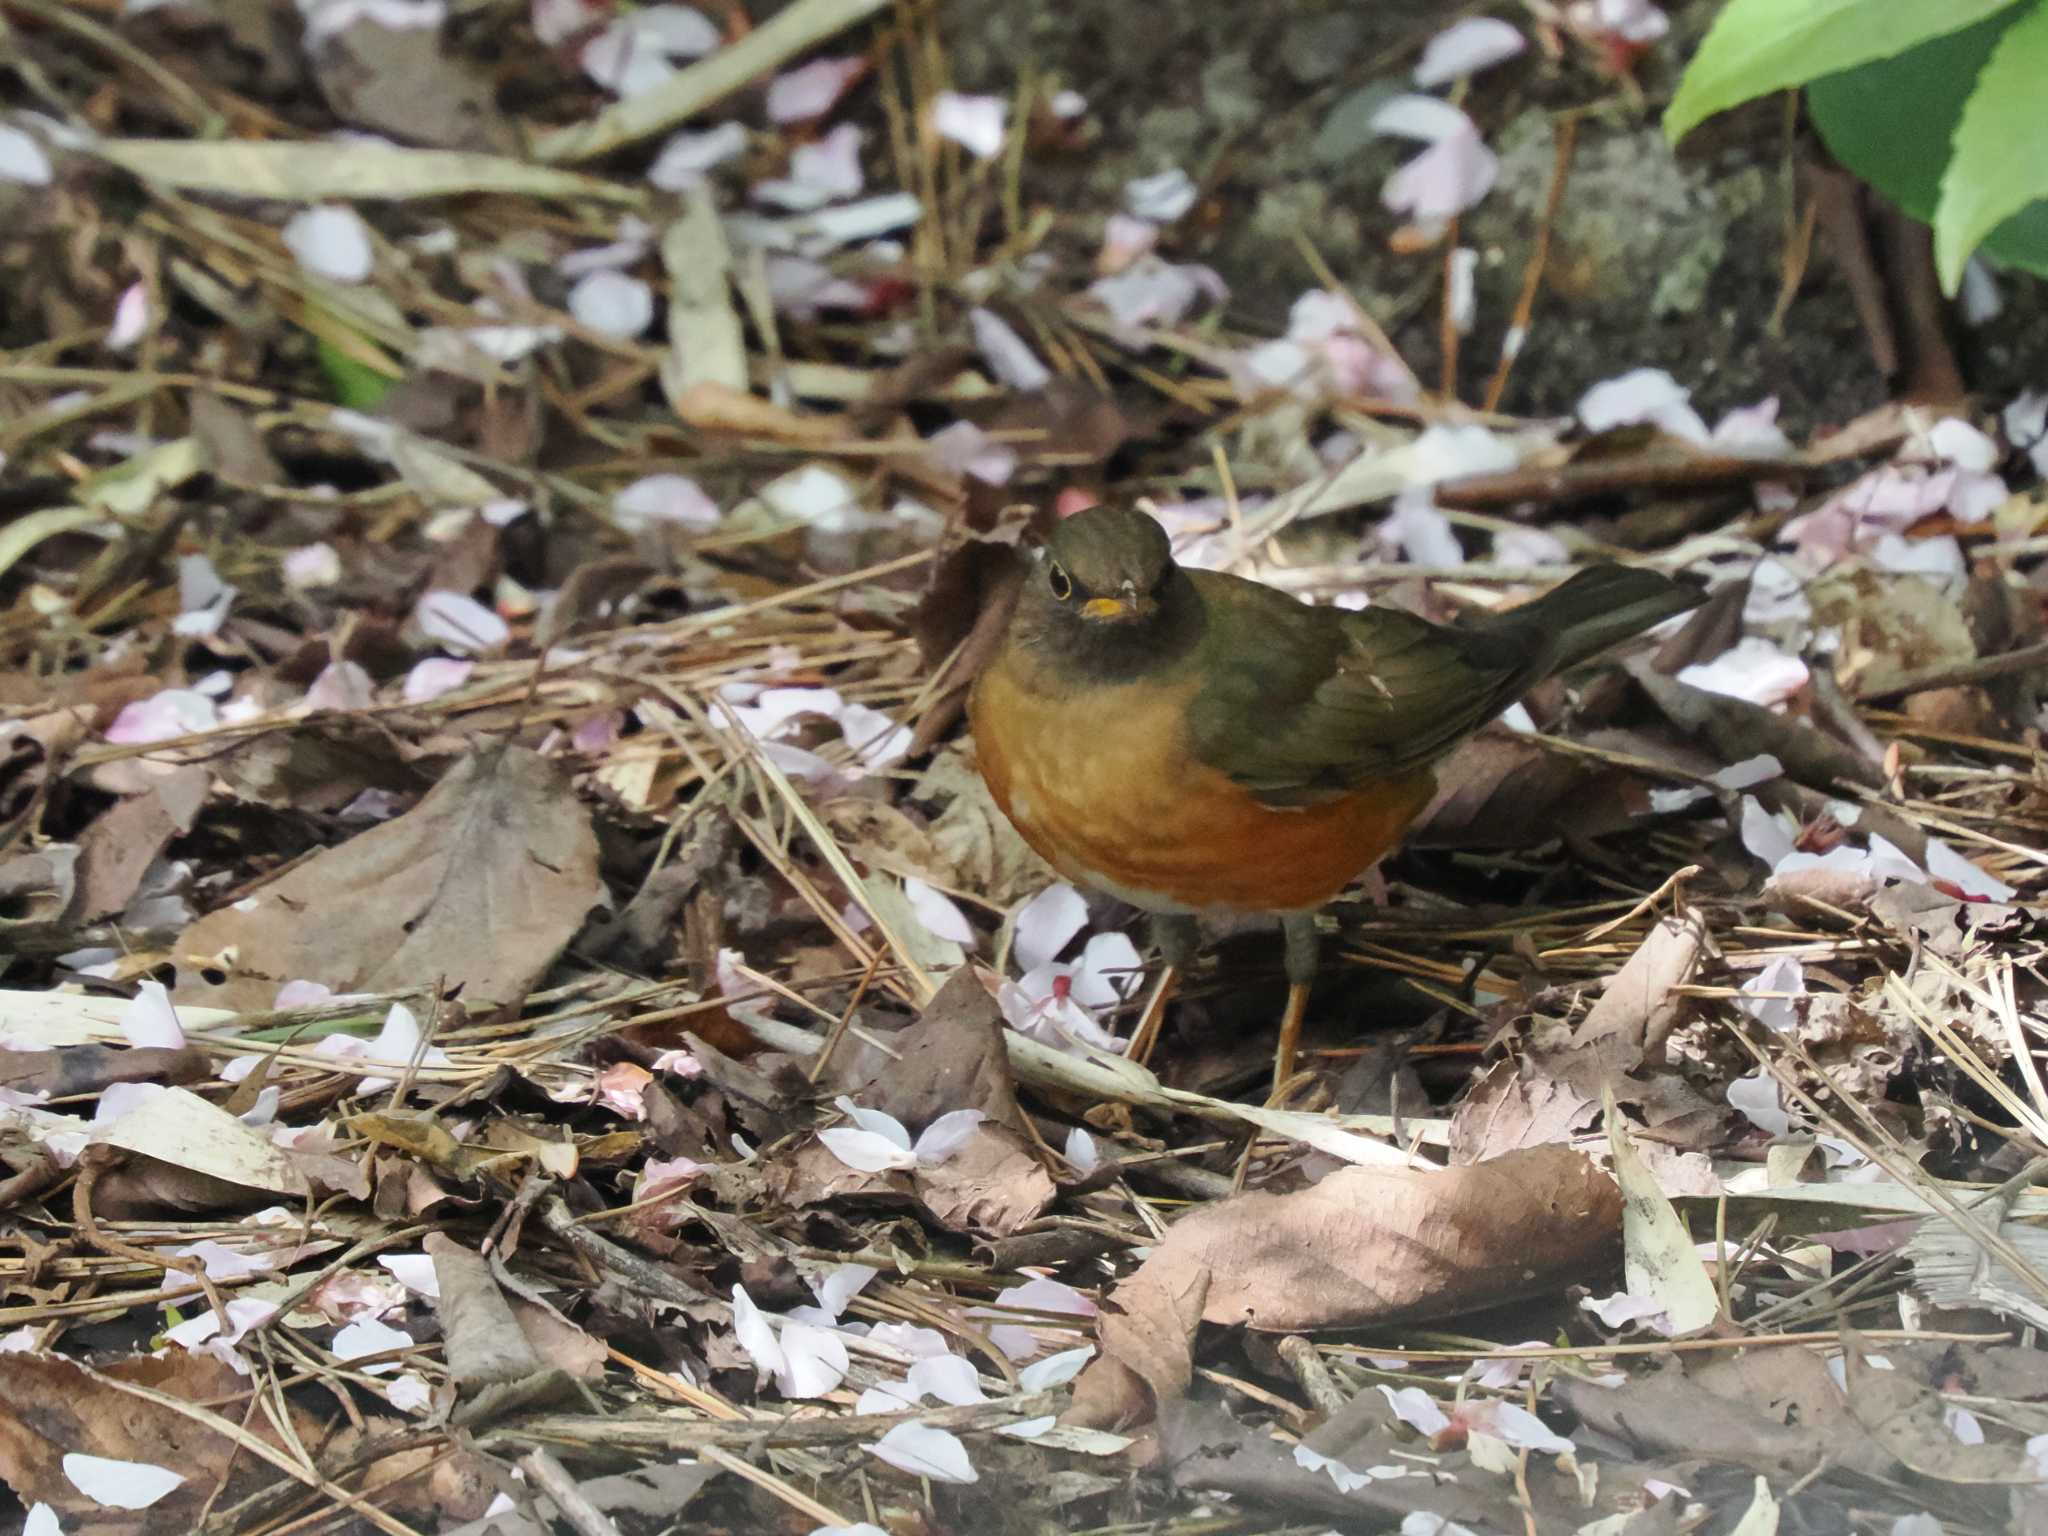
x: 1113, y: 610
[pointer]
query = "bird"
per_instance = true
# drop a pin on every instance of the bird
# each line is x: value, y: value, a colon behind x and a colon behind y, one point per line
x: 1196, y: 743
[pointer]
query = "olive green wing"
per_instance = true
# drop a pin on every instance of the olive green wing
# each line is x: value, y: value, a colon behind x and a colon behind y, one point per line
x: 1301, y: 704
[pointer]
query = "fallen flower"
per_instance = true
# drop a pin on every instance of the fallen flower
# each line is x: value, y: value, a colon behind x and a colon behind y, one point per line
x: 878, y: 1142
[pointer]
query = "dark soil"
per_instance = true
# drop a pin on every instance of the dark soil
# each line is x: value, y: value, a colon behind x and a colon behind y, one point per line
x: 1657, y: 259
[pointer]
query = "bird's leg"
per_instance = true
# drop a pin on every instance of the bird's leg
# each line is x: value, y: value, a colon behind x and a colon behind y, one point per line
x: 1176, y: 938
x: 1299, y: 930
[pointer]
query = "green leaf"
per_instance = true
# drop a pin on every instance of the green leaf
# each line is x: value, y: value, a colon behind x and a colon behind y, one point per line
x: 2001, y: 147
x: 1759, y: 46
x: 1904, y: 154
x: 355, y: 385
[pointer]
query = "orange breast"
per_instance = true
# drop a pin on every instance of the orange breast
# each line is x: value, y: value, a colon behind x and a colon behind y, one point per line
x: 1102, y: 785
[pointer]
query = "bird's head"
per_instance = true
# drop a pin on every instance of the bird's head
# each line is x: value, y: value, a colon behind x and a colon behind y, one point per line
x: 1107, y: 566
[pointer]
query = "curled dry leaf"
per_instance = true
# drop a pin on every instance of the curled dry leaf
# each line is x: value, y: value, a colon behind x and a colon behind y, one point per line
x: 1371, y: 1245
x: 481, y: 884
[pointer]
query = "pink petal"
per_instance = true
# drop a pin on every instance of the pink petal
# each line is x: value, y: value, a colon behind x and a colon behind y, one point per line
x: 813, y: 90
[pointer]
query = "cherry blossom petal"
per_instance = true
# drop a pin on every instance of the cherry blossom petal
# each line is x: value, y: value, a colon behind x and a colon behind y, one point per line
x: 1161, y: 198
x: 814, y: 1361
x: 434, y: 676
x: 948, y: 1378
x: 1008, y: 355
x: 665, y: 498
x: 460, y: 623
x: 331, y: 241
x: 414, y: 1271
x: 131, y: 318
x: 1046, y: 924
x: 612, y: 304
x: 688, y: 158
x: 1753, y: 669
x: 941, y: 918
x: 366, y: 1337
x: 22, y: 160
x: 840, y: 1285
x: 120, y: 1484
x: 812, y: 90
x: 925, y: 1451
x: 148, y: 1019
x: 946, y: 1135
x: 1055, y: 1370
x: 755, y: 1334
x: 1467, y: 47
x: 163, y: 716
x: 973, y: 121
x: 1642, y: 395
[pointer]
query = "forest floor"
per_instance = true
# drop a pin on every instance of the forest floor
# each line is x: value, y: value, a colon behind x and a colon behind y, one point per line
x: 520, y: 1014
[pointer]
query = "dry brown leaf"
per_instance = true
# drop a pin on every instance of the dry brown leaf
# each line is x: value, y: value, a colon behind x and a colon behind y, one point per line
x: 992, y: 1186
x: 480, y: 885
x: 1374, y: 1245
x: 1773, y: 1410
x: 1518, y: 1103
x: 952, y: 1058
x: 1639, y: 1004
x: 1908, y: 1419
x: 52, y: 1407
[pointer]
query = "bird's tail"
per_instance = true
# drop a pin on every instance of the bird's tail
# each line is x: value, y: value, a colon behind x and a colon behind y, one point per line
x: 1601, y: 606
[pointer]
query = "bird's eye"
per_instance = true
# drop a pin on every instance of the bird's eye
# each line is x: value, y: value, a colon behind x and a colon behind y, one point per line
x: 1062, y: 584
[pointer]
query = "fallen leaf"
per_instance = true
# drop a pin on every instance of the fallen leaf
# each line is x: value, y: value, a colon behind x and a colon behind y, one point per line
x: 480, y: 885
x: 1372, y: 1245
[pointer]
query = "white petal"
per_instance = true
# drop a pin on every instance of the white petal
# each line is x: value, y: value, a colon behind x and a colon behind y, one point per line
x: 366, y: 1336
x: 840, y: 1285
x: 812, y: 90
x: 1417, y: 1409
x: 460, y: 623
x: 119, y: 1484
x: 22, y: 159
x: 876, y: 1121
x: 947, y: 1135
x: 1109, y: 971
x: 815, y: 1361
x: 331, y: 241
x: 1055, y: 1370
x: 414, y: 1271
x: 975, y: 121
x: 1425, y: 118
x: 936, y: 910
x: 1752, y: 669
x: 612, y: 304
x: 948, y: 1378
x: 149, y: 1020
x: 1466, y: 47
x: 131, y: 318
x: 1944, y: 863
x: 664, y: 498
x: 1161, y: 198
x: 434, y: 676
x: 687, y: 157
x: 1008, y: 355
x: 1046, y: 924
x: 924, y: 1451
x: 756, y: 1335
x: 1081, y: 1151
x: 866, y: 1151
